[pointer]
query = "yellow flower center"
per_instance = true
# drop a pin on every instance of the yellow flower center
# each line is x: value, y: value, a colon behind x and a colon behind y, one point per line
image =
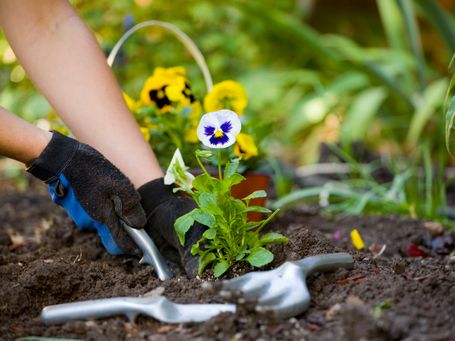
x: 218, y: 133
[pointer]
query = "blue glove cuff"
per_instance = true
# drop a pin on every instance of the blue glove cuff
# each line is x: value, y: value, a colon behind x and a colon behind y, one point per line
x: 67, y: 199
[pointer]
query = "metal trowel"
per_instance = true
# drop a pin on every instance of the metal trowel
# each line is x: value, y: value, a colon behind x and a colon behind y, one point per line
x: 151, y: 254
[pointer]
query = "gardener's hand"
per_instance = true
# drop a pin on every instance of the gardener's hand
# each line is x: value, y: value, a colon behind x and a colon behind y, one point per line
x: 162, y: 208
x: 92, y: 190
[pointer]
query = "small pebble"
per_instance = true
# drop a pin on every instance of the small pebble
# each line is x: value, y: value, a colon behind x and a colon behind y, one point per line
x: 90, y: 324
x: 238, y: 336
x: 293, y: 320
x: 334, y: 310
x: 355, y: 300
x: 434, y: 227
x: 399, y: 268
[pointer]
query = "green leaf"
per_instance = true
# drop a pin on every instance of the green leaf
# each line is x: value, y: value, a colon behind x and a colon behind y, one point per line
x: 208, y: 203
x: 256, y: 194
x: 392, y: 23
x: 432, y: 98
x: 412, y: 30
x: 296, y: 196
x: 234, y: 179
x: 237, y: 204
x: 259, y: 256
x: 220, y: 268
x: 203, y: 183
x: 183, y: 224
x: 205, y: 260
x: 204, y: 153
x: 252, y: 239
x: 361, y: 113
x: 272, y: 237
x: 231, y: 168
x: 206, y: 219
x: 252, y: 224
x: 210, y: 234
x: 257, y: 209
x: 450, y: 120
x: 195, y: 250
x: 324, y: 47
x: 440, y: 19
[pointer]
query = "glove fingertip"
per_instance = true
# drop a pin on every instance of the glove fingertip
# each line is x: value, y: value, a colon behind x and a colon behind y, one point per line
x: 135, y: 217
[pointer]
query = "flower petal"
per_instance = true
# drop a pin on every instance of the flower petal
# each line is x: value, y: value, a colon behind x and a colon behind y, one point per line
x: 226, y: 127
x: 226, y: 95
x: 214, y: 140
x: 245, y: 146
x: 183, y: 178
x: 169, y: 178
x: 218, y: 129
x: 209, y: 130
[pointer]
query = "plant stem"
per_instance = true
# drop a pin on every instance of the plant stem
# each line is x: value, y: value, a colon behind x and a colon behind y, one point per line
x: 202, y: 166
x: 259, y: 228
x: 219, y: 164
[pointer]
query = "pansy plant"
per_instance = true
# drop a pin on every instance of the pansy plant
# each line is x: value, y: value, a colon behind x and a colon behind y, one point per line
x: 229, y: 237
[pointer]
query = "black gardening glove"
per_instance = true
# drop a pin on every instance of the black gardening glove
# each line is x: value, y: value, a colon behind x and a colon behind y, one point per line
x: 162, y: 208
x: 92, y: 190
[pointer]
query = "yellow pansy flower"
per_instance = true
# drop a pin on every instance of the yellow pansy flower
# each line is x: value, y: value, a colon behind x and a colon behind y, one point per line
x: 226, y: 95
x: 57, y: 124
x: 175, y: 91
x: 167, y: 87
x: 130, y: 102
x: 245, y: 146
x: 191, y: 135
x: 146, y: 133
x: 196, y: 113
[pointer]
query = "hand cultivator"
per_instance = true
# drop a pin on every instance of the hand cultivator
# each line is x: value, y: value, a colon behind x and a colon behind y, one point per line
x: 282, y: 291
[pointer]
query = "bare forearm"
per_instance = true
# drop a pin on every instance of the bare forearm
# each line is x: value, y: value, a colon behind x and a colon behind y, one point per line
x: 65, y: 62
x: 20, y: 140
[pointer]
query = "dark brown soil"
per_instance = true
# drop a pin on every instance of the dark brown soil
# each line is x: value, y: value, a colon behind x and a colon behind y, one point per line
x: 44, y: 260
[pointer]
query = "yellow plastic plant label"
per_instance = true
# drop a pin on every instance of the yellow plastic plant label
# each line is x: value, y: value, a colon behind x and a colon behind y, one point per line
x: 357, y: 240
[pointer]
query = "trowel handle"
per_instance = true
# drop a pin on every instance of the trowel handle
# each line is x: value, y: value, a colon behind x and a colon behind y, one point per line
x: 151, y: 254
x: 61, y: 313
x: 326, y: 262
x: 159, y: 308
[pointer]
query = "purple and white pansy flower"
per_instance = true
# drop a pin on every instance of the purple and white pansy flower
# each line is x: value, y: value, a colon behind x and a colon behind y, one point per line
x: 218, y: 129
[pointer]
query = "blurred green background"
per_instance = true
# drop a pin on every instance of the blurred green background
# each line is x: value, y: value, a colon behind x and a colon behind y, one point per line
x: 319, y: 71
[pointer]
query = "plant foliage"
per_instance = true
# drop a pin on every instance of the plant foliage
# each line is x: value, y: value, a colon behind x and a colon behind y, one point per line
x: 230, y: 237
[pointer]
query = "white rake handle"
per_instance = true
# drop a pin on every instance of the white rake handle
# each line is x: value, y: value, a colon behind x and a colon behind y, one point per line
x: 182, y: 36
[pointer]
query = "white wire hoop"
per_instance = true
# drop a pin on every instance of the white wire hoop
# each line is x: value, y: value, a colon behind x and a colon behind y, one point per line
x: 182, y: 36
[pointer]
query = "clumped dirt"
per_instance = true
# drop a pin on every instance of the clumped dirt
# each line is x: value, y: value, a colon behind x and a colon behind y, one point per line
x: 45, y: 260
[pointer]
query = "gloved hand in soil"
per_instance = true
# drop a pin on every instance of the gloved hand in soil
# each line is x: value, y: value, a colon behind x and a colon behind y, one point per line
x: 162, y: 208
x: 93, y: 191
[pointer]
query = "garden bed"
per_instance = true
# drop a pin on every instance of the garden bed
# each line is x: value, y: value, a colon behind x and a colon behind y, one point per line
x: 394, y: 296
